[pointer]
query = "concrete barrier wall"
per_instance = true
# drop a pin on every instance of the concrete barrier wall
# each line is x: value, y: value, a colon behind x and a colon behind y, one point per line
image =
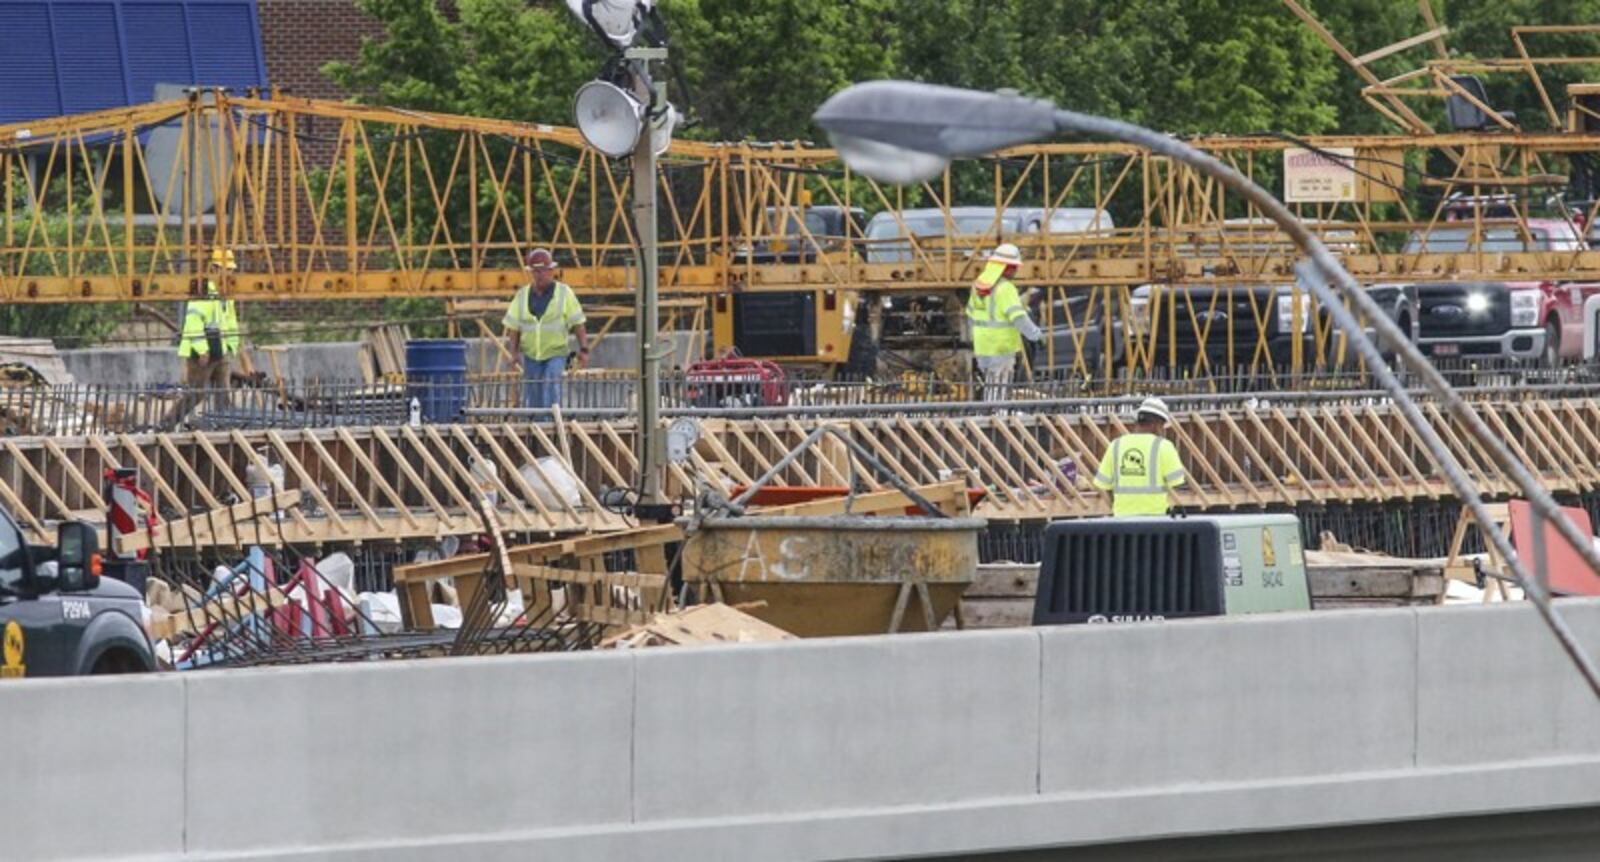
x: 848, y: 748
x: 331, y: 360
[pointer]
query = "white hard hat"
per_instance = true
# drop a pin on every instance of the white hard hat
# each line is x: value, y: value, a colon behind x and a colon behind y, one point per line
x: 1155, y: 407
x: 1006, y: 253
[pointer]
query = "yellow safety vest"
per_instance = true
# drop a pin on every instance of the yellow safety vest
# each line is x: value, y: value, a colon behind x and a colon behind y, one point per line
x: 203, y: 312
x: 994, y: 331
x: 544, y: 337
x: 1138, y: 470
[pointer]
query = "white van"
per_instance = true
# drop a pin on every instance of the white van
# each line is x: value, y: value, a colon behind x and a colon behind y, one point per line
x: 972, y: 229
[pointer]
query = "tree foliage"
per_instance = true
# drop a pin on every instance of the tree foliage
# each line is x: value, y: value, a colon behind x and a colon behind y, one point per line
x: 756, y: 69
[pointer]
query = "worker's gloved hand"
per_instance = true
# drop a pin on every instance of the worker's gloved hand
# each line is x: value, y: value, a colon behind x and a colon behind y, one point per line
x: 1029, y: 330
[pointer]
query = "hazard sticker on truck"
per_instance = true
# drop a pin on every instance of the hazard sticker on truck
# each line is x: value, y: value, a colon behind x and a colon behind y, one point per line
x: 14, y: 644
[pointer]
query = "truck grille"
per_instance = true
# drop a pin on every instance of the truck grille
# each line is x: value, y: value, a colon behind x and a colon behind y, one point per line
x: 1445, y: 312
x: 775, y: 324
x: 1233, y: 313
x: 1121, y: 568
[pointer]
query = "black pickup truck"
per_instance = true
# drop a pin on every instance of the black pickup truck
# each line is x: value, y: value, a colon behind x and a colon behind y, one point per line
x: 1226, y: 327
x: 58, y: 616
x: 794, y: 235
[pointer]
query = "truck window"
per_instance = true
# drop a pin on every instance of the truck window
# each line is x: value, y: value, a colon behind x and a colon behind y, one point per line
x: 1444, y: 240
x: 788, y: 223
x: 13, y: 555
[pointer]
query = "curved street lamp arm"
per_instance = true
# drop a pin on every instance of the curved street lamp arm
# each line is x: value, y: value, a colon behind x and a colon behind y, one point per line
x: 1333, y: 273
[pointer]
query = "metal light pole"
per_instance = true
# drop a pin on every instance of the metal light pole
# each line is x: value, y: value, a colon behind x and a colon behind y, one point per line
x: 650, y: 448
x: 882, y: 126
x: 616, y: 118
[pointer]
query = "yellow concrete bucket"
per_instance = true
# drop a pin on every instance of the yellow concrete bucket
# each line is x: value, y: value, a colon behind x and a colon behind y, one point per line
x: 836, y: 575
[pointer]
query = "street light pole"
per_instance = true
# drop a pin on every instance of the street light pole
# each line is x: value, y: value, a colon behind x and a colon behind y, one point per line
x: 1327, y: 279
x: 909, y: 132
x: 649, y: 446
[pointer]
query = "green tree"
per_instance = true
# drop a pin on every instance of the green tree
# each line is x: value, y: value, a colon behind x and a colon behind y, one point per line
x: 75, y: 325
x: 759, y: 69
x: 413, y: 65
x: 1362, y: 26
x: 499, y: 58
x: 1482, y: 29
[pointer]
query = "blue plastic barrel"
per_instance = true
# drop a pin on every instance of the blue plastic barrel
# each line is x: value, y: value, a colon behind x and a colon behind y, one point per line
x: 436, y: 375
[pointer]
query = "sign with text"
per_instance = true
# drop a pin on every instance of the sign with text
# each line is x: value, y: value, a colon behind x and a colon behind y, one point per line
x: 1324, y: 176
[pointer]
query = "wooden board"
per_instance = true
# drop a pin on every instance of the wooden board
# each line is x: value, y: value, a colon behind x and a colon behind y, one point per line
x: 1001, y: 595
x: 702, y: 624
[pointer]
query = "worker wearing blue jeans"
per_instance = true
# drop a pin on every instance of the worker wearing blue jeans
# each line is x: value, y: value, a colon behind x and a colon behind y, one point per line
x: 542, y: 316
x: 541, y: 381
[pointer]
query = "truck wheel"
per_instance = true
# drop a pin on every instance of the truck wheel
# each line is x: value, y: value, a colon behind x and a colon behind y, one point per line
x: 1552, y: 345
x: 117, y: 661
x: 862, y: 361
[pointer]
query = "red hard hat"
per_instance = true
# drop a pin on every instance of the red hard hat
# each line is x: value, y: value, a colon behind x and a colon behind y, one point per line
x: 539, y: 258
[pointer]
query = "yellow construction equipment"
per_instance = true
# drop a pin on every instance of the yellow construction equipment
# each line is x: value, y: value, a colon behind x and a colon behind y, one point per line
x: 797, y: 257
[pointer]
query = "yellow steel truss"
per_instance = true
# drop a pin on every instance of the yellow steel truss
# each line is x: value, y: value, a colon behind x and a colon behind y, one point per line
x: 331, y: 200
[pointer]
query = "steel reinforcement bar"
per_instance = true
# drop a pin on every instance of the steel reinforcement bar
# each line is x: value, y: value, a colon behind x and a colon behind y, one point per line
x: 392, y: 484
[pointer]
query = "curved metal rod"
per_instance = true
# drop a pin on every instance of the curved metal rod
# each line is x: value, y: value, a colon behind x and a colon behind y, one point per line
x: 1334, y: 274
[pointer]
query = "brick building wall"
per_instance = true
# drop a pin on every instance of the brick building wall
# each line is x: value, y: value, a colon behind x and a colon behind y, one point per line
x: 299, y: 36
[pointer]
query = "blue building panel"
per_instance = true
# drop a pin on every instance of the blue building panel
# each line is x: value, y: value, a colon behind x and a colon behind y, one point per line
x: 28, y: 84
x: 160, y: 48
x: 72, y: 56
x: 88, y: 57
x: 229, y: 62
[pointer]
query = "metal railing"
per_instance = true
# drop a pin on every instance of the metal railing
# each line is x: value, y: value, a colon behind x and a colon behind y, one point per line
x: 88, y: 409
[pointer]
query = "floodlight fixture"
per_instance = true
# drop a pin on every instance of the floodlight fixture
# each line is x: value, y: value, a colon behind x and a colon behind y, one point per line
x: 610, y: 118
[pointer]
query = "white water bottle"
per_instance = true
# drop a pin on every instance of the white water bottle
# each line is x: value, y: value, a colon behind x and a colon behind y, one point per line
x: 416, y: 413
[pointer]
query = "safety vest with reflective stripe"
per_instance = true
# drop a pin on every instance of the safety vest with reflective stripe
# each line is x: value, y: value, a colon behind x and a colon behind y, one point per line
x: 544, y: 337
x: 1138, y: 470
x: 201, y: 313
x: 994, y: 331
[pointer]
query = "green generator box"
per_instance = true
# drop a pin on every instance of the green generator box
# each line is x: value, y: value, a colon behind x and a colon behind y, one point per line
x: 1131, y: 569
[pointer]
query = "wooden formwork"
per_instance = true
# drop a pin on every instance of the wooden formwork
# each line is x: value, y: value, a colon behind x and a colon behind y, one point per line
x: 388, y: 484
x: 593, y: 593
x: 358, y: 485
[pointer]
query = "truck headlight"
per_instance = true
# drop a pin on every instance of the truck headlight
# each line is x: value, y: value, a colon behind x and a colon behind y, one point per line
x: 1525, y: 307
x: 1477, y: 303
x: 1286, y: 316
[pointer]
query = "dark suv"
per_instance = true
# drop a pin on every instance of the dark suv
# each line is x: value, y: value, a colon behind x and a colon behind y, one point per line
x: 1195, y: 318
x: 803, y: 234
x: 59, y: 616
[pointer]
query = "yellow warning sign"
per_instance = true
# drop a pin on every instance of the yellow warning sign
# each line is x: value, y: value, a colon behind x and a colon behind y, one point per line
x: 14, y: 645
x: 1269, y: 554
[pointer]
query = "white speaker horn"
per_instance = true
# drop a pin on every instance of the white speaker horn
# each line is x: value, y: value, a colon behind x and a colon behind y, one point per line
x: 662, y: 127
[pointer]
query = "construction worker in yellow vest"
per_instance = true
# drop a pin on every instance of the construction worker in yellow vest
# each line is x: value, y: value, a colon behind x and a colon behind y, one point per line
x: 999, y: 321
x: 1141, y: 467
x: 540, y: 317
x: 210, y: 329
